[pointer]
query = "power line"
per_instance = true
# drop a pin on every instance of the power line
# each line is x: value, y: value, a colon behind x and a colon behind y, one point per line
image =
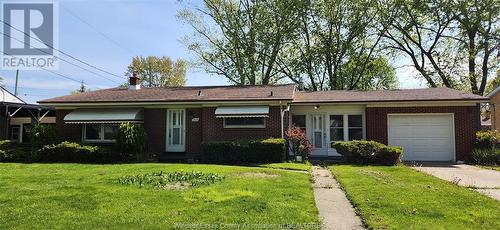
x: 90, y: 71
x: 72, y: 57
x: 97, y: 30
x: 53, y: 72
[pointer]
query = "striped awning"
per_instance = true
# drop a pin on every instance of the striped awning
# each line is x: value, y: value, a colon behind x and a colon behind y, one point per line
x: 104, y: 116
x: 244, y: 111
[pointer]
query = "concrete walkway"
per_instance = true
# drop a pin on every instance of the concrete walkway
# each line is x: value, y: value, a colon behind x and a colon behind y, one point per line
x: 335, y: 210
x: 482, y: 180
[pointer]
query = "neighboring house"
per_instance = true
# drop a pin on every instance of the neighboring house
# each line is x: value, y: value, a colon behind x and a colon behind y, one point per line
x: 495, y: 108
x: 436, y: 124
x: 17, y: 117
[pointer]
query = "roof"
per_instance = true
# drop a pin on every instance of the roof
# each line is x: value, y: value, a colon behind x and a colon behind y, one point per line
x: 494, y: 92
x: 343, y: 96
x: 180, y: 94
x: 261, y: 93
x: 7, y: 96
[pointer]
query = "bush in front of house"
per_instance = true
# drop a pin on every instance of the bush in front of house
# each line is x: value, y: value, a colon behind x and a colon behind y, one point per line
x: 131, y: 141
x: 224, y: 152
x: 298, y: 143
x: 487, y: 139
x: 11, y: 151
x: 237, y: 152
x: 70, y: 152
x: 267, y: 150
x: 368, y: 152
x: 486, y: 156
x: 41, y: 135
x: 486, y: 149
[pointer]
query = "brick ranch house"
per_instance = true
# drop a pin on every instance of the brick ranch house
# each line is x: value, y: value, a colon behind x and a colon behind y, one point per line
x: 436, y: 124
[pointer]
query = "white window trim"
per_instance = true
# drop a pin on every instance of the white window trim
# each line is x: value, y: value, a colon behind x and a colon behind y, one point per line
x: 244, y: 126
x: 346, y: 125
x: 19, y: 133
x: 102, y: 140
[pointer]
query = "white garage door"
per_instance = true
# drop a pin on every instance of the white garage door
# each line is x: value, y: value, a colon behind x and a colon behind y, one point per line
x: 423, y: 137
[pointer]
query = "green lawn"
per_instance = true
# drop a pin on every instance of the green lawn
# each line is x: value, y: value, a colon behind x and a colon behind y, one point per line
x: 58, y: 196
x: 402, y: 198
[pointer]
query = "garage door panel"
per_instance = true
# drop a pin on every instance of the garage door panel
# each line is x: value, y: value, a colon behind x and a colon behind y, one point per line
x: 423, y: 137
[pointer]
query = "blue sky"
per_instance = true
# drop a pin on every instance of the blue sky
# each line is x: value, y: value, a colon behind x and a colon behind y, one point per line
x: 130, y: 28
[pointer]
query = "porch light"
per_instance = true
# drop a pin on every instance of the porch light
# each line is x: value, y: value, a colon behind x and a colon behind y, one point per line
x: 316, y: 107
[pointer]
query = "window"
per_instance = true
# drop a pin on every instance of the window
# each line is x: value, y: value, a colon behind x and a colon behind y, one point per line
x: 14, y: 133
x: 244, y: 122
x: 100, y: 132
x: 346, y: 127
x: 299, y: 121
x: 355, y: 127
x: 336, y: 127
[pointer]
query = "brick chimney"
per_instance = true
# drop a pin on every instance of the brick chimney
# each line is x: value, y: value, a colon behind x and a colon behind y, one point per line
x: 134, y: 82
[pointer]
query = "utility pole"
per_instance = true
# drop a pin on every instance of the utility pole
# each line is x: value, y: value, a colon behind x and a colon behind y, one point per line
x: 17, y: 79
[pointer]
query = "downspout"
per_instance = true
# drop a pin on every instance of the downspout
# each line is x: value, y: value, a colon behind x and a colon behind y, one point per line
x: 282, y: 113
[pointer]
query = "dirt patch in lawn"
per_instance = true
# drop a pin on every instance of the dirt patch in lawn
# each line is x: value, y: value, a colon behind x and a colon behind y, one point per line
x: 176, y: 186
x: 257, y: 175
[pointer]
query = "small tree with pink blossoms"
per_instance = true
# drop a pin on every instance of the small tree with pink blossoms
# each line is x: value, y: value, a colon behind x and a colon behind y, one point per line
x: 298, y: 143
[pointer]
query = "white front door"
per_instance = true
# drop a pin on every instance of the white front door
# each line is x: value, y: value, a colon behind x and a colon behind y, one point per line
x: 318, y: 135
x: 176, y: 130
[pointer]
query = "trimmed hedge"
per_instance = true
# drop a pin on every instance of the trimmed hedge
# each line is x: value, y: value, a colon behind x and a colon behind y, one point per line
x: 368, y: 152
x: 14, y: 152
x: 236, y: 152
x: 70, y: 152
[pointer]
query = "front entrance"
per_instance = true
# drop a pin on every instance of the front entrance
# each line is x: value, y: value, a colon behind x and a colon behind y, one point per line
x: 318, y: 135
x: 176, y: 130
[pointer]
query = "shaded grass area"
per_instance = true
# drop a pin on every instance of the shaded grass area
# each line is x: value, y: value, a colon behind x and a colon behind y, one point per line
x: 289, y: 166
x: 58, y: 196
x: 402, y: 198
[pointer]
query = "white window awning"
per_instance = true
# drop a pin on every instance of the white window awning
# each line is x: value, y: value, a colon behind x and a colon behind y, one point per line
x: 244, y: 111
x: 93, y: 116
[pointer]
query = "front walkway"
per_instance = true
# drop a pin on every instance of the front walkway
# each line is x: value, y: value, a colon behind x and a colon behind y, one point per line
x: 482, y: 180
x: 335, y: 210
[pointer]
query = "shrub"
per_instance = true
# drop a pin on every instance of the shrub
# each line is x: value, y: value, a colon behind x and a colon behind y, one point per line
x: 71, y: 152
x: 162, y: 179
x: 14, y: 152
x: 488, y: 139
x: 368, y: 152
x: 41, y: 135
x: 224, y: 152
x: 299, y: 144
x: 267, y: 150
x: 235, y: 152
x: 484, y: 156
x: 131, y: 141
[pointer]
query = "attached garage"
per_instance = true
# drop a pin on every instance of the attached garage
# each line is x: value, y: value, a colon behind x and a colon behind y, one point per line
x: 424, y: 137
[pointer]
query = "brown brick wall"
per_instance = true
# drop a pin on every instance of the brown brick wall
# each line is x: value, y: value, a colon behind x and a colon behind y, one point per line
x: 466, y: 124
x: 67, y: 132
x: 194, y: 130
x: 155, y: 126
x: 495, y: 116
x: 208, y: 128
x: 213, y: 129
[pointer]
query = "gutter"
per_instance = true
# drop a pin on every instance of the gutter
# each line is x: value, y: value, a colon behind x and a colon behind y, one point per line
x: 282, y: 116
